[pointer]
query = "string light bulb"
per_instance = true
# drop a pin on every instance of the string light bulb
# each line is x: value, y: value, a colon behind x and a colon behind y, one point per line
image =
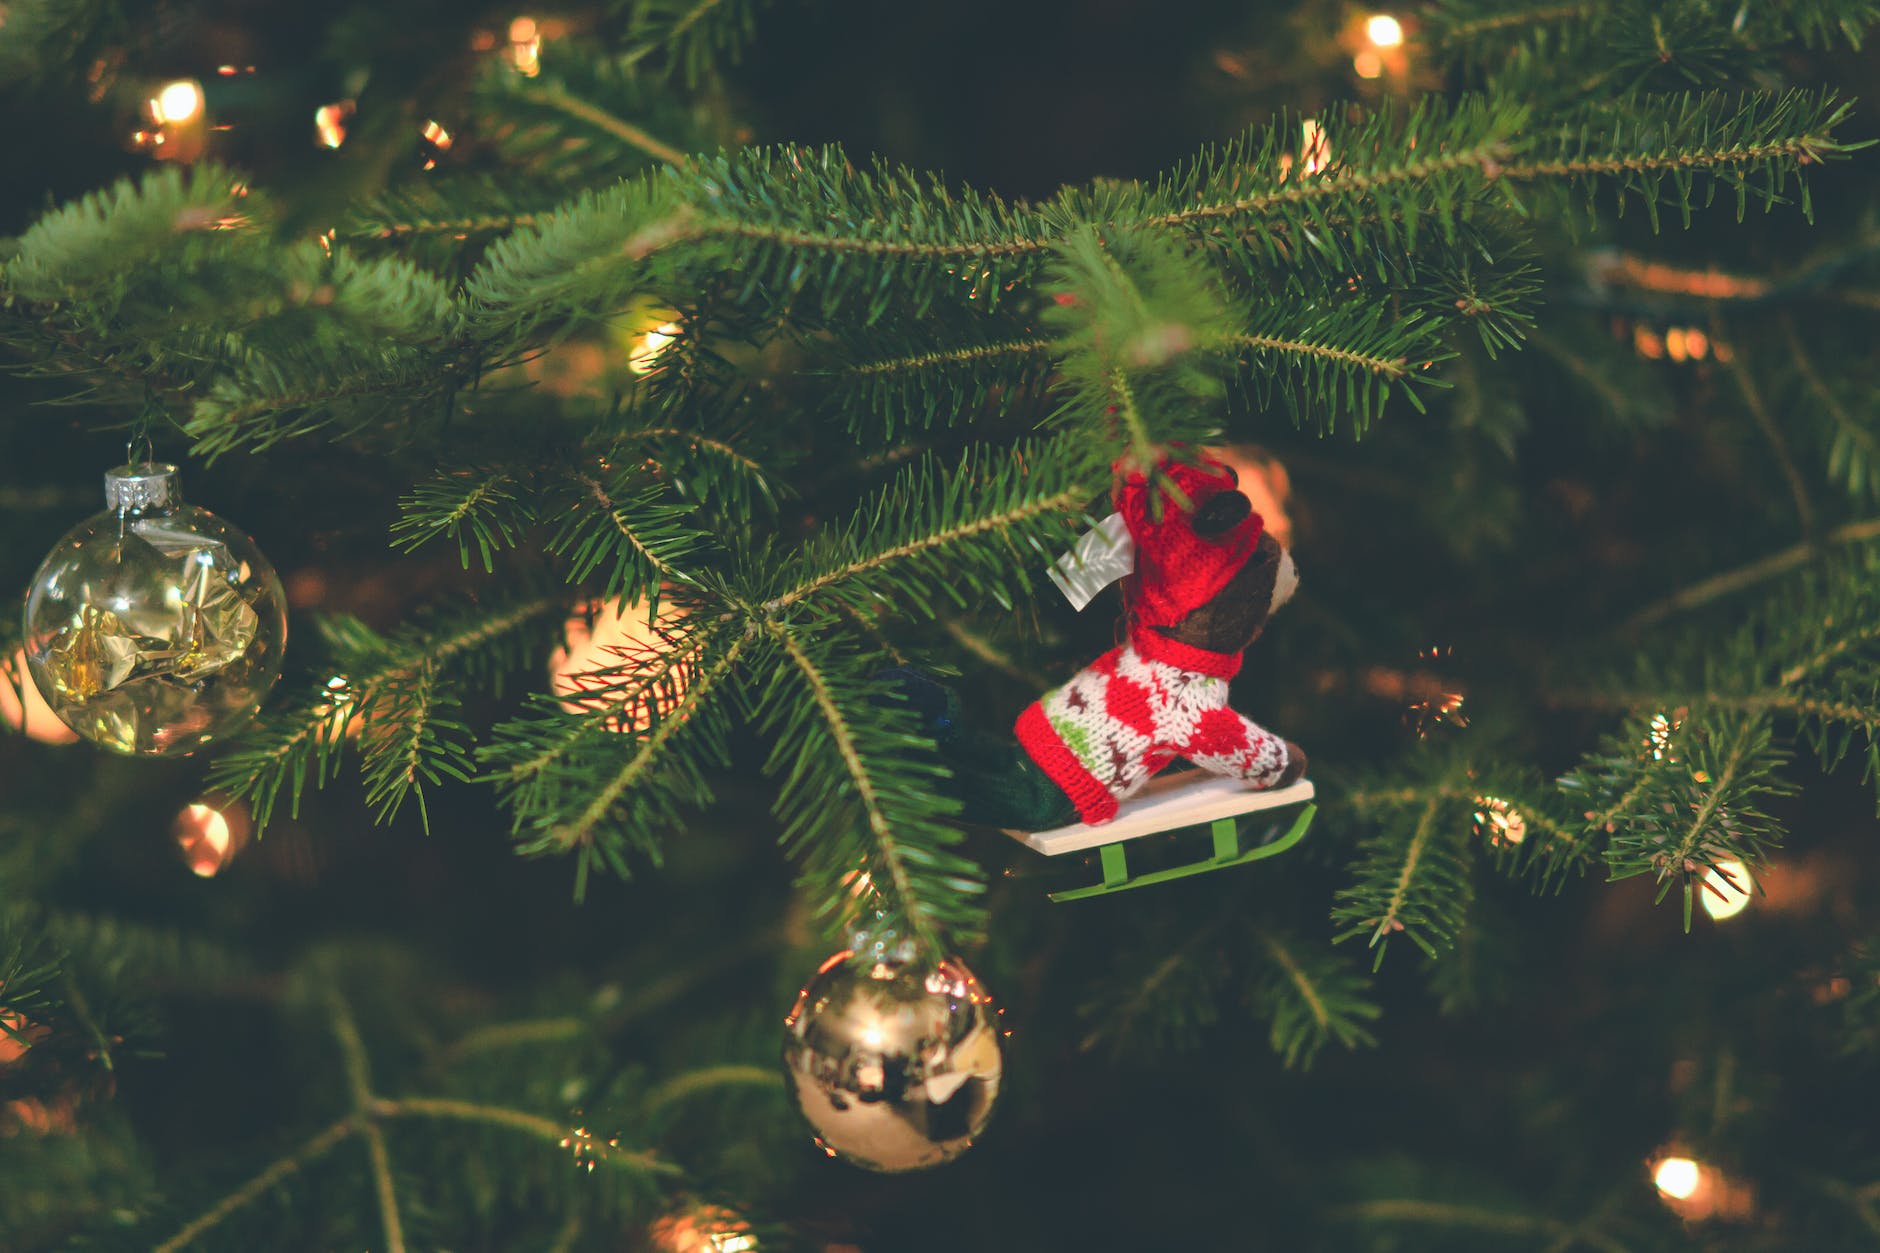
x: 329, y: 123
x: 1677, y: 1177
x: 180, y: 101
x: 209, y: 837
x: 600, y: 638
x: 525, y: 46
x: 1383, y: 30
x: 1696, y: 1191
x: 644, y: 357
x: 178, y: 126
x: 1727, y: 889
x: 704, y: 1229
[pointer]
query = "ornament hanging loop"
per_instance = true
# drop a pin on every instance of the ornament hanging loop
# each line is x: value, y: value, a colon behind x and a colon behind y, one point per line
x: 142, y: 482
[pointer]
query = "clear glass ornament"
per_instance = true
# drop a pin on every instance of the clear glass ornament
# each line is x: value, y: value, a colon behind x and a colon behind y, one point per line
x: 154, y: 627
x: 896, y: 1065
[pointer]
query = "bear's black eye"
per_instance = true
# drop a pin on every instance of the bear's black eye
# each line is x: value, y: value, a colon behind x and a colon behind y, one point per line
x: 1222, y: 512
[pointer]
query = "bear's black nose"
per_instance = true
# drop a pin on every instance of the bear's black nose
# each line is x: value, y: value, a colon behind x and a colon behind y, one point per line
x: 1221, y: 513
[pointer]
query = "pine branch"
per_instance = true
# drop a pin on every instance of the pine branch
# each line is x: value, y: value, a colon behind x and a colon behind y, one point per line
x: 1411, y: 879
x: 264, y: 1182
x: 967, y: 534
x: 1312, y: 996
x: 93, y: 248
x: 1666, y: 150
x: 688, y: 38
x: 624, y: 527
x: 586, y: 118
x: 472, y: 504
x: 863, y: 798
x: 610, y: 778
x: 460, y: 210
x: 1680, y: 793
x: 1633, y: 43
x: 389, y: 683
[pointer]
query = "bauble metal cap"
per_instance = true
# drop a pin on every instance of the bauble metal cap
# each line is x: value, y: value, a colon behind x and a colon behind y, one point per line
x: 144, y: 485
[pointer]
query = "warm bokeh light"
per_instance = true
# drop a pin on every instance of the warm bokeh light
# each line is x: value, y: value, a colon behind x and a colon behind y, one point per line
x: 329, y: 122
x: 1678, y: 1177
x: 1315, y: 151
x: 1264, y: 481
x: 17, y: 1038
x: 1727, y: 889
x: 209, y: 836
x: 1696, y: 1190
x: 1383, y: 30
x: 440, y: 141
x: 601, y: 638
x: 525, y: 46
x: 1367, y: 64
x: 178, y: 129
x: 1499, y: 822
x: 705, y: 1229
x: 650, y: 346
x: 180, y: 101
x: 24, y: 710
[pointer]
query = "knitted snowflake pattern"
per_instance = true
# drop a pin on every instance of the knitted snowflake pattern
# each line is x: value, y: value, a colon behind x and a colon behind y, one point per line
x: 1118, y: 722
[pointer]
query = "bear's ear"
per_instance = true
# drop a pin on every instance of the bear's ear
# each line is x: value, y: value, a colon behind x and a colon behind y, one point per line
x: 1285, y: 579
x: 1221, y: 513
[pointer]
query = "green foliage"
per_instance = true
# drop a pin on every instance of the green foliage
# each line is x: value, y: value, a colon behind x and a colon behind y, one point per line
x: 616, y: 774
x: 402, y: 688
x: 1411, y: 877
x: 1631, y: 46
x: 688, y: 38
x: 1312, y: 997
x: 588, y: 117
x: 466, y: 505
x: 836, y: 462
x: 863, y: 797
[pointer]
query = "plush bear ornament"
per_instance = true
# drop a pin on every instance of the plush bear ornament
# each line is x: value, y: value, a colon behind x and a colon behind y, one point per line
x: 1206, y: 578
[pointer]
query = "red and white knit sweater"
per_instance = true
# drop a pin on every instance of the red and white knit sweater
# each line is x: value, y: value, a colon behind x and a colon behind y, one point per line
x: 1117, y: 723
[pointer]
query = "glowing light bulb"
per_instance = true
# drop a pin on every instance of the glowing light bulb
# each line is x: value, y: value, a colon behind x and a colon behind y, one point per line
x: 1501, y: 823
x: 178, y: 102
x: 644, y: 356
x: 706, y: 1229
x: 1678, y: 1177
x: 1315, y: 148
x: 210, y: 837
x: 329, y: 122
x: 1383, y: 30
x: 525, y: 46
x: 605, y: 637
x: 1727, y: 889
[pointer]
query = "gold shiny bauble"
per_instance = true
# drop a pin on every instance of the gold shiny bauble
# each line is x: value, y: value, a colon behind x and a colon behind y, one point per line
x: 154, y: 627
x: 895, y: 1064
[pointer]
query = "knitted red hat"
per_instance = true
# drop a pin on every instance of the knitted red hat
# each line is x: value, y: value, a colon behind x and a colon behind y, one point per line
x: 1178, y: 571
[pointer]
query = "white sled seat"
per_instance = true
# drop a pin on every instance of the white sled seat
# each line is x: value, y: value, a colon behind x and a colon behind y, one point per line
x: 1171, y: 802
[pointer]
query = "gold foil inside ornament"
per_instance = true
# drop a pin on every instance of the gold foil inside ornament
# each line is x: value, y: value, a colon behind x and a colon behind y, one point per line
x: 93, y: 656
x: 157, y: 633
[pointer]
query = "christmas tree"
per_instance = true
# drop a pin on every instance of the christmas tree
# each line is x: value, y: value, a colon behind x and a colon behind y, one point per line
x: 643, y: 459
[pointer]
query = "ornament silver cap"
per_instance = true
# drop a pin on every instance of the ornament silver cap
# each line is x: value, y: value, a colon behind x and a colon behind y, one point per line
x: 144, y: 485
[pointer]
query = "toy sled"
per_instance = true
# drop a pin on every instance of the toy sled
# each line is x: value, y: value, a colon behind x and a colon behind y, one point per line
x: 1191, y: 798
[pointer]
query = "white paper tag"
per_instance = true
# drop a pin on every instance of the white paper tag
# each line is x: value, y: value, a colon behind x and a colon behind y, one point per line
x: 1101, y: 556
